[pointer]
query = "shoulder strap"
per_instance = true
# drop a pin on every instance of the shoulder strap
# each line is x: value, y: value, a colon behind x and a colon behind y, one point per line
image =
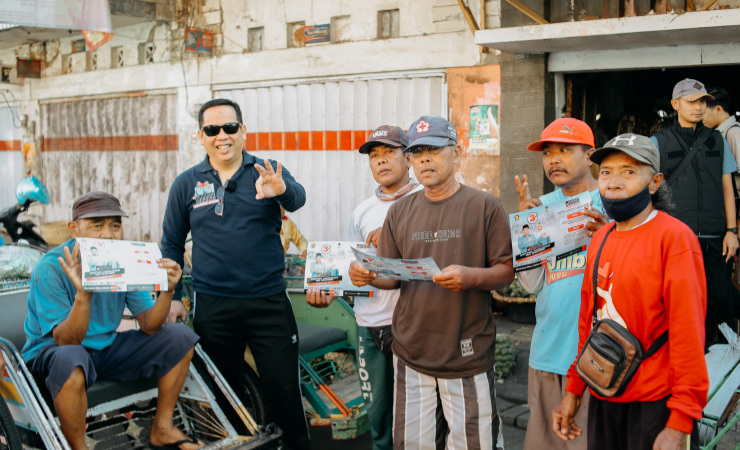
x: 662, y: 339
x: 596, y: 268
x: 689, y: 156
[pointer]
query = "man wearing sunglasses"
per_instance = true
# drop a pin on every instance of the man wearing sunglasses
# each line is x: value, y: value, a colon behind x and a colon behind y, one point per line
x: 230, y: 203
x: 443, y: 331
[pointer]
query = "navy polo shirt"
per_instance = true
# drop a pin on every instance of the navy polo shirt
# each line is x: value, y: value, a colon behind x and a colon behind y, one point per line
x: 238, y: 254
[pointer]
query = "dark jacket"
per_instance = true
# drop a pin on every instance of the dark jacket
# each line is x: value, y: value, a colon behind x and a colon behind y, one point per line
x: 238, y: 254
x: 697, y: 191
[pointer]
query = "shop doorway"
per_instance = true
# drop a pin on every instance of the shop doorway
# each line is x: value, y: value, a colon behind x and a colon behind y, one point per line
x: 637, y: 101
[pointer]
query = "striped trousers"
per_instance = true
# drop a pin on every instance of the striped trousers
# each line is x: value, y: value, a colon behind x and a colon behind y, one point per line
x: 468, y: 405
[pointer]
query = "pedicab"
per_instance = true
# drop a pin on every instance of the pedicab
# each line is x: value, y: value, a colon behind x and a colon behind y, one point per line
x: 119, y: 415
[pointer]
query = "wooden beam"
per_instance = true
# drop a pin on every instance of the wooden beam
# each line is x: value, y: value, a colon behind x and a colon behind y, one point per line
x: 708, y: 5
x: 482, y: 48
x: 532, y: 15
x: 468, y: 16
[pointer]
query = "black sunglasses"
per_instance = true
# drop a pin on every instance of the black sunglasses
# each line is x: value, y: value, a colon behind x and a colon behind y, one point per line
x: 214, y: 130
x: 219, y: 210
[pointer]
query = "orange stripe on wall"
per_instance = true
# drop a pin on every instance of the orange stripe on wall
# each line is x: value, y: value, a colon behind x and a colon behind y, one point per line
x: 346, y: 140
x: 112, y: 143
x: 10, y: 146
x: 330, y: 140
x: 291, y: 140
x: 303, y: 141
x: 317, y: 140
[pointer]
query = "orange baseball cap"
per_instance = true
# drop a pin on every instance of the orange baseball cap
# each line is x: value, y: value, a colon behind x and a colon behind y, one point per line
x: 565, y: 130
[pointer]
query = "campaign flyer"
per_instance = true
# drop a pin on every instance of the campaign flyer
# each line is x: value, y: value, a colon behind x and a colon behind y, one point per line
x: 549, y: 232
x: 111, y: 265
x: 327, y: 268
x: 420, y: 269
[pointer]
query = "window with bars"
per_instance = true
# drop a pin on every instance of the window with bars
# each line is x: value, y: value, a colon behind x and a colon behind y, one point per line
x: 67, y: 63
x: 116, y: 57
x: 91, y: 61
x: 146, y: 53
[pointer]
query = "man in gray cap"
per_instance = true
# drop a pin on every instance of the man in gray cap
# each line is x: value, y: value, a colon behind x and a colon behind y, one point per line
x: 649, y: 279
x: 443, y: 331
x: 71, y: 337
x: 698, y: 165
x: 385, y: 148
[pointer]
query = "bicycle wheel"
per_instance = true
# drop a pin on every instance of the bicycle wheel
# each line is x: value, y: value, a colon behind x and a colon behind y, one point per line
x: 250, y: 393
x: 9, y: 438
x: 246, y: 388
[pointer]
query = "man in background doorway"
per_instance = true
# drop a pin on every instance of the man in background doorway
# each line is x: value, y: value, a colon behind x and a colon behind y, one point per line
x: 702, y: 192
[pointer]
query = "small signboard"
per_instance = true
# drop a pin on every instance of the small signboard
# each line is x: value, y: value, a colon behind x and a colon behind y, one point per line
x: 78, y: 46
x: 484, y: 131
x: 29, y: 68
x: 316, y: 34
x: 95, y: 39
x: 198, y: 41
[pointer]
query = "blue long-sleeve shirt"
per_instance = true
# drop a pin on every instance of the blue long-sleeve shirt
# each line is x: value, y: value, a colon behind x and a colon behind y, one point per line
x: 238, y: 254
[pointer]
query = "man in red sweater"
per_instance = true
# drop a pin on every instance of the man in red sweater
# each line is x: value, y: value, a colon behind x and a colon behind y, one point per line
x: 650, y: 279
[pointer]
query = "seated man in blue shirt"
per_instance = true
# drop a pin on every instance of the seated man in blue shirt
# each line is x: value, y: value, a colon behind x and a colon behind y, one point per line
x: 72, y: 339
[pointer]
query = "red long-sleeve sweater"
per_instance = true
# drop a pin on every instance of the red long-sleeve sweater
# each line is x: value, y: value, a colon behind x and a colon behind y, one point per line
x: 654, y: 275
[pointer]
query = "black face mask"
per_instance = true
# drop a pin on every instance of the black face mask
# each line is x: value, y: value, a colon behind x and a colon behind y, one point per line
x: 621, y: 209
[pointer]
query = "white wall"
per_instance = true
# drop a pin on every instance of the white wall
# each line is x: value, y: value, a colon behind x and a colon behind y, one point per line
x: 11, y: 161
x: 433, y: 37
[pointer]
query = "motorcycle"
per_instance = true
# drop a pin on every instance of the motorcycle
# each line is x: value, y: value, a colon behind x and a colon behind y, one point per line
x: 29, y: 190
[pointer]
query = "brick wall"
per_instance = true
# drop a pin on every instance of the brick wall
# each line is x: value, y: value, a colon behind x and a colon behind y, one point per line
x: 522, y: 122
x: 523, y: 109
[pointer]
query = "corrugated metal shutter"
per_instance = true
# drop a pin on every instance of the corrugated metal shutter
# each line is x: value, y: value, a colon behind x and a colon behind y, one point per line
x: 314, y: 127
x: 125, y: 146
x: 11, y: 158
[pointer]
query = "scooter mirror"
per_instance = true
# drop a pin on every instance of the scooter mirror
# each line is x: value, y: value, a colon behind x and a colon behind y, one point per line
x: 31, y: 188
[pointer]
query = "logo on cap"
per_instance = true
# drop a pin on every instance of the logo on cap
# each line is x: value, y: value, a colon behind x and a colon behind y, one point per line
x: 422, y: 126
x: 630, y: 140
x: 567, y: 130
x: 380, y: 133
x: 698, y: 86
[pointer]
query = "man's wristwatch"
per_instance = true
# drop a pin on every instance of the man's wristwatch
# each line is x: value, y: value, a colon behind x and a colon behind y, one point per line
x: 731, y: 230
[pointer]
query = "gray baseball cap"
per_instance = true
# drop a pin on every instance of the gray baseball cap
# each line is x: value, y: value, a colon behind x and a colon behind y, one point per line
x: 431, y: 130
x: 385, y: 135
x: 690, y: 89
x: 639, y: 147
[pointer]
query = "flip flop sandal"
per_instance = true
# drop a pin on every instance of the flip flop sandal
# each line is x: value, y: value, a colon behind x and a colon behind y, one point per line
x: 175, y: 445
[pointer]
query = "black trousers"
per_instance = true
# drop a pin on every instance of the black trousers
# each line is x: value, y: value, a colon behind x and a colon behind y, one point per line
x: 226, y: 325
x: 720, y: 295
x: 628, y: 426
